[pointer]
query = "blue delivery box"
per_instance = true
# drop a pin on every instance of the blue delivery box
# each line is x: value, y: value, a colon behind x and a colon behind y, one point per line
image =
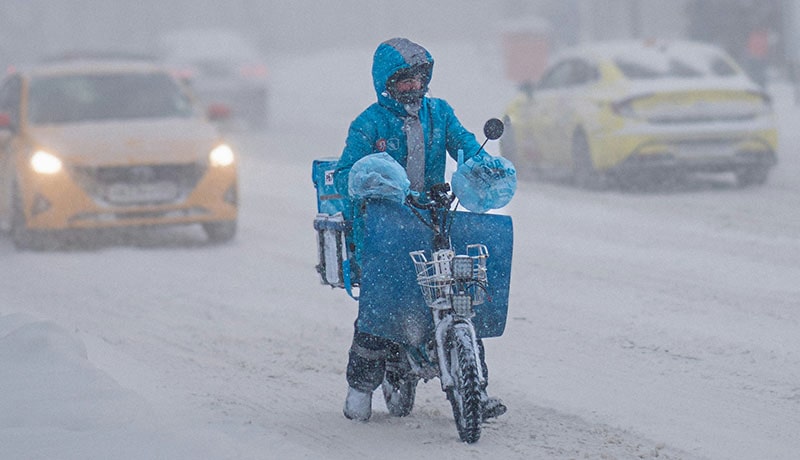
x: 330, y: 226
x: 329, y: 201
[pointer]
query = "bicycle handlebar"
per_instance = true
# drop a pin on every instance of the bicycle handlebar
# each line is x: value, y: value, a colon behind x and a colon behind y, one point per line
x: 439, y: 197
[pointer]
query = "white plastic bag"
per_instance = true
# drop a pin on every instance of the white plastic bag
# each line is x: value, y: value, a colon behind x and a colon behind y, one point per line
x: 378, y: 176
x: 484, y: 182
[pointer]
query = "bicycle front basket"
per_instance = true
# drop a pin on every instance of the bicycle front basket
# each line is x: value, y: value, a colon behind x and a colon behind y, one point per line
x: 434, y: 277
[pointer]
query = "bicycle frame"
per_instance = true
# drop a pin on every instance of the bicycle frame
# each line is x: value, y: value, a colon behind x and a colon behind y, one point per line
x: 450, y: 284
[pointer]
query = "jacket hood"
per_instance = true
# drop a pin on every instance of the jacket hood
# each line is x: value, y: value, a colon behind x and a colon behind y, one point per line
x: 391, y: 56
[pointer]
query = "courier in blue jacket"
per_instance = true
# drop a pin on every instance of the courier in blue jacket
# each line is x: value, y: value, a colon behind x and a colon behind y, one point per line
x: 417, y: 132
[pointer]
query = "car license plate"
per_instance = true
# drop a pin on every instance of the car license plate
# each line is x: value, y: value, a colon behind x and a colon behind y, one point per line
x: 149, y: 192
x: 705, y: 150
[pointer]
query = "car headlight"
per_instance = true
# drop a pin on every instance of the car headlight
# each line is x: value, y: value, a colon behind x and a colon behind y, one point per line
x: 222, y: 155
x: 45, y: 162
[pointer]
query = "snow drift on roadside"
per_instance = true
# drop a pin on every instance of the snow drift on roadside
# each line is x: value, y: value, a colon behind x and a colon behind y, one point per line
x: 54, y: 395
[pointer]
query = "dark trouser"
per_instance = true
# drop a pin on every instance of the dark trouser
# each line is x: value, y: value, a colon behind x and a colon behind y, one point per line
x: 368, y: 356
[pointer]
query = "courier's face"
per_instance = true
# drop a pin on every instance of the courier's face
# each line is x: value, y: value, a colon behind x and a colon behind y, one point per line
x: 409, y: 84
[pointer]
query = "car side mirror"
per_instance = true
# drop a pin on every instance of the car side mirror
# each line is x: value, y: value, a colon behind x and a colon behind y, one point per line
x: 527, y: 87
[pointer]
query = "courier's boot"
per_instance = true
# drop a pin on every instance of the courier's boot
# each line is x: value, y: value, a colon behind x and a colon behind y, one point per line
x: 358, y: 405
x: 492, y: 406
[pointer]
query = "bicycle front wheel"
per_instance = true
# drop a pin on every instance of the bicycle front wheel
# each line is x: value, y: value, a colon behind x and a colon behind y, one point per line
x: 465, y: 395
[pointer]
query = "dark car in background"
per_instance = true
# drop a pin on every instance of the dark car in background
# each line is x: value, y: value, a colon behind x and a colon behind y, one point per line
x: 222, y: 67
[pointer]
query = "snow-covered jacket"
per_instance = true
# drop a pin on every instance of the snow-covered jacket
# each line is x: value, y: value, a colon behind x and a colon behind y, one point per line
x: 379, y: 128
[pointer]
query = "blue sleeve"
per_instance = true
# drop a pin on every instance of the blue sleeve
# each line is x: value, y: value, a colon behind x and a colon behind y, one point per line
x: 360, y: 140
x: 458, y: 137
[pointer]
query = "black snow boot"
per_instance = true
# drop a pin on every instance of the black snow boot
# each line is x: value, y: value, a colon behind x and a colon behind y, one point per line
x: 492, y: 407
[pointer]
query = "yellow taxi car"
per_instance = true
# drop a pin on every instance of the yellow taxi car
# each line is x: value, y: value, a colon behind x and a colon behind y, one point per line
x: 626, y: 110
x: 97, y: 144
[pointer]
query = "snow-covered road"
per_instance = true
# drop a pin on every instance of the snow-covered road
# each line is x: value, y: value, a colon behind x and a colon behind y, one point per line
x: 642, y: 324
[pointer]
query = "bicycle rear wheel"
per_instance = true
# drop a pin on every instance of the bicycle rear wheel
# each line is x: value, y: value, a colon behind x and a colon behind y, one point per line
x: 399, y: 395
x: 399, y: 384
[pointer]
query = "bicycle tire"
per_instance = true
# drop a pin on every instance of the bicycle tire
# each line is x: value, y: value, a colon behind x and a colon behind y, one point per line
x: 465, y: 395
x: 399, y: 396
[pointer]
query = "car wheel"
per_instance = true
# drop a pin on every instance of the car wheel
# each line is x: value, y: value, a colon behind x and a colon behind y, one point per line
x: 584, y: 174
x: 220, y: 232
x: 23, y: 237
x: 753, y: 175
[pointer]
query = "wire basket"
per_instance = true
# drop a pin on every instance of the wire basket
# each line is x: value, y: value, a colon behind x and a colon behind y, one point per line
x: 478, y: 253
x: 435, y: 277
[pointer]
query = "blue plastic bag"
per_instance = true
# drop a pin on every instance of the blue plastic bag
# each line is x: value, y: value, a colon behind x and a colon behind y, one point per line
x: 378, y: 175
x: 484, y: 182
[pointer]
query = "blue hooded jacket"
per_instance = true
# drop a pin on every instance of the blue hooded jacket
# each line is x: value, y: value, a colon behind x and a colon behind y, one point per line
x: 379, y: 128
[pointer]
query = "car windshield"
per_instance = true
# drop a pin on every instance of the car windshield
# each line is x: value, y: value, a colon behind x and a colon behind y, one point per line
x: 655, y: 65
x: 118, y: 96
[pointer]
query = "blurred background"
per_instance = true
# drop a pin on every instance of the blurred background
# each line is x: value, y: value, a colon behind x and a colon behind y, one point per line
x: 761, y: 34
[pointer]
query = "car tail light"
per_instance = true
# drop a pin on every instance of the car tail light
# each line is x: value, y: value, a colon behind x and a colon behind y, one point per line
x: 253, y: 71
x: 766, y: 98
x: 624, y: 107
x: 183, y: 74
x: 693, y: 107
x: 218, y: 112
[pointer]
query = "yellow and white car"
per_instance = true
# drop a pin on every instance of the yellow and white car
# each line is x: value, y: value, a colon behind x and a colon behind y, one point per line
x: 109, y: 144
x: 625, y: 110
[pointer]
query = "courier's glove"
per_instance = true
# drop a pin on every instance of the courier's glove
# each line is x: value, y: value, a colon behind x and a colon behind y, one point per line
x: 484, y: 182
x: 378, y: 176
